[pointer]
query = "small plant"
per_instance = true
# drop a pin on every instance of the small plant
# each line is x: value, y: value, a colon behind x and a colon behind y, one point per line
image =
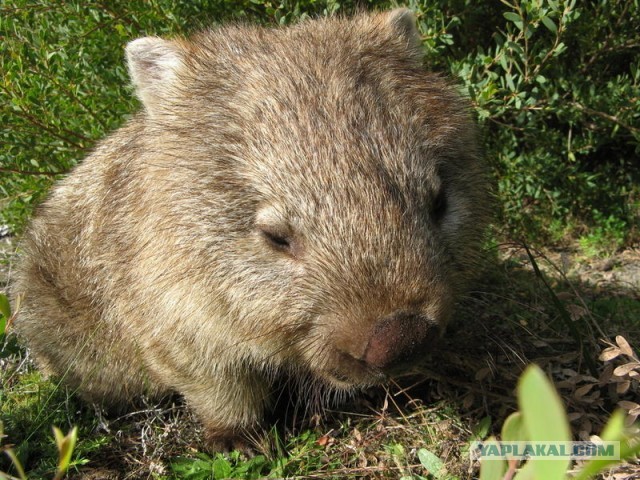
x: 8, y: 345
x: 542, y: 418
x: 65, y: 444
x: 206, y: 467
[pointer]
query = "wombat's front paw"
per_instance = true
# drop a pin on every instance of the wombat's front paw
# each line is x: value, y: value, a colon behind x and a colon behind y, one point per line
x: 226, y: 441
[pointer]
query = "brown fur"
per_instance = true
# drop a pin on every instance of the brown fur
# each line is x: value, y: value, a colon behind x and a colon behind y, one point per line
x: 303, y: 201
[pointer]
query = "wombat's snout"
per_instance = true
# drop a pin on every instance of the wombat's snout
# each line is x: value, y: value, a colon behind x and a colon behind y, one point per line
x: 398, y: 338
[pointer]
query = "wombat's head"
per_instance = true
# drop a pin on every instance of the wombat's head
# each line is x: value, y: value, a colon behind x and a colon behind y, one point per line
x: 327, y: 190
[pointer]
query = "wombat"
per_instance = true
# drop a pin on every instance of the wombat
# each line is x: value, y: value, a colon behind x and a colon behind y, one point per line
x: 302, y: 201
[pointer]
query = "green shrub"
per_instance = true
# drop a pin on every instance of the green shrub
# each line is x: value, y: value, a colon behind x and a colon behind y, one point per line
x: 556, y: 88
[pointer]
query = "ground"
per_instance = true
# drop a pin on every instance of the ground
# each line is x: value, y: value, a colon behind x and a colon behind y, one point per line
x: 574, y: 316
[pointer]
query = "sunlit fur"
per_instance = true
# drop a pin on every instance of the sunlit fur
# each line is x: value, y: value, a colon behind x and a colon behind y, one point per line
x: 145, y: 272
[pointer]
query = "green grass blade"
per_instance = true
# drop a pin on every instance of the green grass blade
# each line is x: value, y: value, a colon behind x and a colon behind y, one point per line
x: 544, y: 419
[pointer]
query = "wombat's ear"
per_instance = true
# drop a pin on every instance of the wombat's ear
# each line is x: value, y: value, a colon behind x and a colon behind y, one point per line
x: 403, y: 23
x: 153, y: 66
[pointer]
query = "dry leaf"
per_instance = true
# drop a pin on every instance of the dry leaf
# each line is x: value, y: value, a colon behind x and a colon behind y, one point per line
x: 624, y: 346
x: 565, y: 295
x: 565, y: 384
x: 482, y: 373
x: 630, y: 421
x: 623, y: 370
x: 609, y: 354
x: 621, y: 476
x: 623, y: 386
x: 582, y: 391
x: 606, y: 374
x: 574, y: 416
x: 576, y: 312
x: 628, y: 406
x: 586, y: 427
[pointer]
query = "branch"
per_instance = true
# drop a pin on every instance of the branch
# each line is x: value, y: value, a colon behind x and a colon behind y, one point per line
x: 606, y: 116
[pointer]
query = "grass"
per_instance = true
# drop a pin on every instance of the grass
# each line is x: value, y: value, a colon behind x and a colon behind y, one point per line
x: 463, y: 392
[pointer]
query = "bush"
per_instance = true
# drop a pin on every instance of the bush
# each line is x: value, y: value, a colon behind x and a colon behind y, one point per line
x: 556, y: 88
x: 555, y: 85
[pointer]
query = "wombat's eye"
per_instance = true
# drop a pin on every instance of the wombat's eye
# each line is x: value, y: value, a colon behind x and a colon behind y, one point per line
x: 278, y: 240
x: 439, y: 206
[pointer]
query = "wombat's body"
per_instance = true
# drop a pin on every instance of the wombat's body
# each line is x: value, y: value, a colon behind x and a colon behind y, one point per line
x: 302, y: 201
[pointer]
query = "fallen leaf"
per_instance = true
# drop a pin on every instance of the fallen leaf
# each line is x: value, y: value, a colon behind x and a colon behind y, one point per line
x: 609, y: 354
x: 482, y: 373
x: 623, y: 386
x: 624, y: 346
x: 576, y: 312
x: 582, y: 391
x: 623, y: 370
x: 628, y: 406
x: 574, y: 416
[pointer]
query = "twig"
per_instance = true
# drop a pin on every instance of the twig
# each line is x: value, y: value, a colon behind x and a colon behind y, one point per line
x: 606, y: 116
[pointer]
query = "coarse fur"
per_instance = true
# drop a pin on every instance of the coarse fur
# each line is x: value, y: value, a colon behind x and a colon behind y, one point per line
x: 304, y: 201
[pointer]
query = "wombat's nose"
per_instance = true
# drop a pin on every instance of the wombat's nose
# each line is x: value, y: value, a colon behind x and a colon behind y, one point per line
x: 397, y: 338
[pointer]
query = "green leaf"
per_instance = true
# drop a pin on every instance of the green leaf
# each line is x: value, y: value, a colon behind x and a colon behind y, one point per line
x: 560, y: 48
x: 432, y: 462
x: 614, y: 429
x: 515, y: 18
x: 16, y: 463
x: 513, y: 429
x: 527, y: 472
x: 613, y: 432
x: 492, y: 469
x: 509, y: 79
x: 544, y: 419
x: 396, y: 449
x: 5, y: 307
x: 221, y: 468
x: 66, y: 444
x: 550, y: 24
x: 482, y: 428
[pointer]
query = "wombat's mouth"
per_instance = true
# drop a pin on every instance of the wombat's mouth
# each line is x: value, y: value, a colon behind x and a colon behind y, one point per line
x: 353, y: 372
